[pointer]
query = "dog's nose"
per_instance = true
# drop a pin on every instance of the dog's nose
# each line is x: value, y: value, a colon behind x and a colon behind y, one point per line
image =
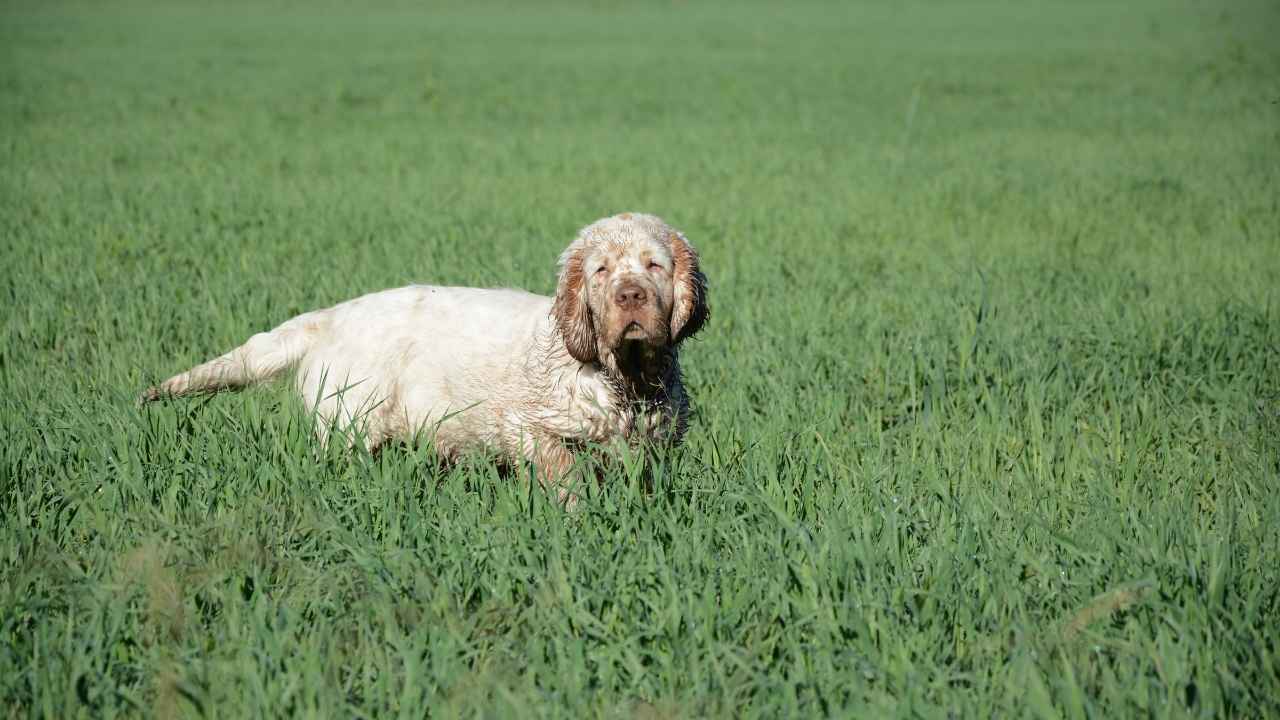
x: 630, y: 296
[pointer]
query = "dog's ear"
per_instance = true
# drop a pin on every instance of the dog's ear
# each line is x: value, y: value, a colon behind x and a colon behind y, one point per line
x: 571, y: 311
x: 689, y: 309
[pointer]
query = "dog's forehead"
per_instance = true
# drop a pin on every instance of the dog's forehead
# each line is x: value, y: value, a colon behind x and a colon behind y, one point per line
x: 627, y: 232
x: 630, y: 247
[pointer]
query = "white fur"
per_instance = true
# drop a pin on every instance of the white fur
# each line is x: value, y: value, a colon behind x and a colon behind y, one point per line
x: 483, y: 370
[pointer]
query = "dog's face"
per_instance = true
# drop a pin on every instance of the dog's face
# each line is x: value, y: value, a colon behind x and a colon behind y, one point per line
x: 629, y: 278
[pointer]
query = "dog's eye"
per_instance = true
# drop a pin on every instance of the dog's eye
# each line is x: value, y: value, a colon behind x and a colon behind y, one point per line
x: 655, y: 267
x: 601, y: 270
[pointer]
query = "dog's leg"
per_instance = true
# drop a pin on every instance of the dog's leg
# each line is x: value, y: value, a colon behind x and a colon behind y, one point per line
x: 553, y: 464
x: 351, y: 410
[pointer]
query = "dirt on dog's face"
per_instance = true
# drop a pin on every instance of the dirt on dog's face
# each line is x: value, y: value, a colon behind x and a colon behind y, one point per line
x: 629, y: 290
x: 628, y: 283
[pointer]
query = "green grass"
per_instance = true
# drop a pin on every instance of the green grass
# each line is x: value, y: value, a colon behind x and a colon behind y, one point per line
x: 987, y: 416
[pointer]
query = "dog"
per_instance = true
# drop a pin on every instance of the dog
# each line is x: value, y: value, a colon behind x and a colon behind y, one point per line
x: 527, y: 377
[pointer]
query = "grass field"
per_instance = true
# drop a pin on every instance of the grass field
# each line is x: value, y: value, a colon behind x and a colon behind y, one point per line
x: 987, y: 416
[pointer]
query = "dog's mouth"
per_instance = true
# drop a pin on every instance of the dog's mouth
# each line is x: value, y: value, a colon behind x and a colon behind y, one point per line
x: 634, y: 331
x: 642, y: 327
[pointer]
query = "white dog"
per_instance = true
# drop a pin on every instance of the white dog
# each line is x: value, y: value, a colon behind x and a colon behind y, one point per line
x: 528, y: 377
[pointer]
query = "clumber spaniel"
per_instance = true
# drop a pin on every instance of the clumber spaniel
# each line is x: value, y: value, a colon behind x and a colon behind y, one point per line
x: 528, y: 377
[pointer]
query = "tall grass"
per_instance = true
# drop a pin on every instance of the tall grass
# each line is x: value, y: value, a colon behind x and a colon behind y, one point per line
x: 987, y: 417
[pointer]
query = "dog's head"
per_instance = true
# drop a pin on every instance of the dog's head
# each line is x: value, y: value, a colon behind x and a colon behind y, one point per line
x: 629, y: 280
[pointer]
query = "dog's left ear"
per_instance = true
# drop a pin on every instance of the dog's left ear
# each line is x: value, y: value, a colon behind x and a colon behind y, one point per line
x: 571, y: 311
x: 689, y: 310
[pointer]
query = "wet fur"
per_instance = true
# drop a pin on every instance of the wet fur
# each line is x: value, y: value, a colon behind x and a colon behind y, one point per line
x: 530, y: 378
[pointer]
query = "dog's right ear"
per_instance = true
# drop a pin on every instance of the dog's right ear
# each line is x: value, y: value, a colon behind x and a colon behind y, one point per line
x: 571, y: 311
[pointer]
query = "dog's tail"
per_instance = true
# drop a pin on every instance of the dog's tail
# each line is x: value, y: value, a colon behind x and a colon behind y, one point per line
x: 262, y: 358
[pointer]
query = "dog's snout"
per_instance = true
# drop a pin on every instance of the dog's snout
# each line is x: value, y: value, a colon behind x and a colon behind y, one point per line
x: 630, y: 296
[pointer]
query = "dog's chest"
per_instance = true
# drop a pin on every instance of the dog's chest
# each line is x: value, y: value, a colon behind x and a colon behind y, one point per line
x: 592, y: 410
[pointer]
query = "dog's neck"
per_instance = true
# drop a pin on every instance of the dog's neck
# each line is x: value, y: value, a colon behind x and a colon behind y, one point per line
x: 638, y: 371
